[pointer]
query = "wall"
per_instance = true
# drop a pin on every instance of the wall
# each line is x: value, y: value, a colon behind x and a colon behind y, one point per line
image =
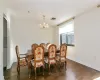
x: 1, y: 40
x: 1, y: 46
x: 25, y: 32
x: 87, y: 39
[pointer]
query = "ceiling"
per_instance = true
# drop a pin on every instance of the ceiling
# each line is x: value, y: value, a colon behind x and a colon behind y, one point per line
x: 60, y: 9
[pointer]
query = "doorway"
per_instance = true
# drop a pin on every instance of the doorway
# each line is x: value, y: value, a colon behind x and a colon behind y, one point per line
x: 4, y: 44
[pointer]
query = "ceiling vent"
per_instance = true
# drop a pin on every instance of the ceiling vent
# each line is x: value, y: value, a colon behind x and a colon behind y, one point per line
x: 53, y: 18
x: 98, y: 6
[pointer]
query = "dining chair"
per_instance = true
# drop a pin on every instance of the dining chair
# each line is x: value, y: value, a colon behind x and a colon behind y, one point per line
x: 63, y: 52
x: 33, y: 46
x: 47, y: 45
x: 43, y: 44
x: 21, y: 59
x: 38, y: 59
x: 51, y: 60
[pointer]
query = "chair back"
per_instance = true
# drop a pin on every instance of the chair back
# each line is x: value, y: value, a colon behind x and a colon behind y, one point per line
x: 52, y: 51
x: 43, y: 45
x: 17, y: 52
x: 33, y: 47
x: 63, y: 50
x: 36, y: 45
x: 39, y: 54
x: 47, y: 45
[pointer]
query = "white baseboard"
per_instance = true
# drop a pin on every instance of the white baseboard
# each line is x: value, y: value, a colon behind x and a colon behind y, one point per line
x: 80, y: 62
x: 9, y: 66
x: 1, y: 77
x: 1, y: 73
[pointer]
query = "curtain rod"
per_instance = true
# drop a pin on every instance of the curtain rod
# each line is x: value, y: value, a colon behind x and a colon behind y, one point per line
x: 66, y: 21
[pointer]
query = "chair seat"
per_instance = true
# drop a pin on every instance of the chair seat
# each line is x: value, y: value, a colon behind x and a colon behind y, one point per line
x: 63, y: 59
x: 22, y: 56
x: 57, y: 58
x: 23, y: 62
x: 38, y: 64
x: 53, y: 61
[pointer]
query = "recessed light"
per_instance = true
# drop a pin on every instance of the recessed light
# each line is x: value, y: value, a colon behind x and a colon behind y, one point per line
x: 28, y: 11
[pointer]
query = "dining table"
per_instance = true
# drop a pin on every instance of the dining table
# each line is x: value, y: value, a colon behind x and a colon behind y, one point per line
x: 30, y: 56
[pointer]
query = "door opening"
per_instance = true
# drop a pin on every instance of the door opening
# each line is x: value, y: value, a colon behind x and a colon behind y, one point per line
x: 4, y: 44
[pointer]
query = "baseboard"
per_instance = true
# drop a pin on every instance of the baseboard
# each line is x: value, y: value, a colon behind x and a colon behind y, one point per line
x: 1, y: 73
x: 79, y: 62
x: 9, y: 66
x: 3, y: 78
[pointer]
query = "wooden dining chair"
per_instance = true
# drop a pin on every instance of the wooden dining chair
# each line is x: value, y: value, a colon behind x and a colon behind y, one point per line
x: 21, y: 59
x: 51, y: 60
x: 63, y: 52
x: 47, y: 45
x: 43, y: 44
x: 33, y: 47
x: 38, y: 58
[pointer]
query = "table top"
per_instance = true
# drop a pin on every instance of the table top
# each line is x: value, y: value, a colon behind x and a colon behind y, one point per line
x: 45, y: 53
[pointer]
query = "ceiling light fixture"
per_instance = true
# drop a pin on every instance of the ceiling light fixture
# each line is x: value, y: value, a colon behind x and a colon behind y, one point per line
x: 44, y: 24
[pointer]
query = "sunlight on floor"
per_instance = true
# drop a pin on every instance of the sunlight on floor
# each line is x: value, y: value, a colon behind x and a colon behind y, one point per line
x: 97, y: 78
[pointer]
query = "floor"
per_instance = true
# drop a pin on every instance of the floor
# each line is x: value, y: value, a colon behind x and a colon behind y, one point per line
x: 75, y: 71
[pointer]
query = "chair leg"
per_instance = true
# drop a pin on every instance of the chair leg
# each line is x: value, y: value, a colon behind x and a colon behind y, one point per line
x: 49, y: 68
x: 43, y: 70
x: 56, y: 67
x: 65, y: 64
x: 29, y: 72
x: 60, y: 66
x: 29, y: 69
x: 18, y: 69
x: 26, y: 61
x: 35, y: 73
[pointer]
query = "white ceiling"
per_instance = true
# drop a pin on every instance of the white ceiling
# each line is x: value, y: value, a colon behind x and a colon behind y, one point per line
x: 60, y: 9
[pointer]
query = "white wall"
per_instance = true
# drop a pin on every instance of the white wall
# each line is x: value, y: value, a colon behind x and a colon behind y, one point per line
x: 25, y: 32
x: 1, y: 46
x: 87, y: 39
x: 1, y: 40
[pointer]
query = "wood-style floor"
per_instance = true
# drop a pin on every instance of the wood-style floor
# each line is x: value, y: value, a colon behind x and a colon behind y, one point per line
x: 74, y: 71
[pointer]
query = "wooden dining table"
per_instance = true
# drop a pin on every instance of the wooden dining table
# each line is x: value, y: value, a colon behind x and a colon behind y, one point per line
x: 30, y: 56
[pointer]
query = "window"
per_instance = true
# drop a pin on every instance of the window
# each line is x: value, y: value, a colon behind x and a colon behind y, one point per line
x: 66, y: 33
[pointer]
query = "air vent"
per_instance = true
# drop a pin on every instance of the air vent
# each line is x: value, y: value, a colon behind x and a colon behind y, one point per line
x: 98, y: 6
x: 53, y: 18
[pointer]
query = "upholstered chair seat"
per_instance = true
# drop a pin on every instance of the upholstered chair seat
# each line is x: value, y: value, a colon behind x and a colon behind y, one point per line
x: 53, y: 61
x: 38, y: 64
x: 23, y: 62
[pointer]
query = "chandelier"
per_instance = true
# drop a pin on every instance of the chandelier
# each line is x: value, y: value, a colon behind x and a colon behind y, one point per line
x: 44, y: 24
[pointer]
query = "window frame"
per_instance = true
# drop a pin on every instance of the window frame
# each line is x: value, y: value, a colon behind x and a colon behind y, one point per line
x: 60, y: 34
